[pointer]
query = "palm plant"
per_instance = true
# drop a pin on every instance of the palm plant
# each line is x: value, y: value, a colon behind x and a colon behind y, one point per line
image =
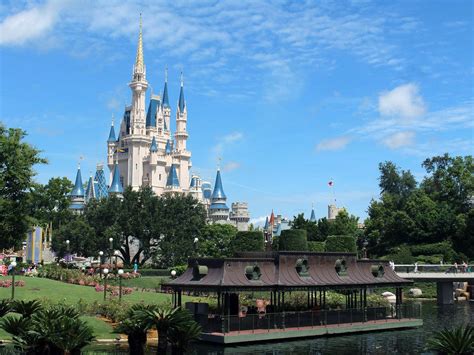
x: 163, y: 320
x: 5, y: 307
x: 135, y: 327
x: 180, y: 337
x: 457, y: 341
x: 26, y: 308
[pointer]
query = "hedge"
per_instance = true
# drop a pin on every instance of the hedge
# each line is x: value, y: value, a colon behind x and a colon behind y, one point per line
x: 317, y: 246
x: 151, y: 272
x: 431, y: 249
x: 293, y: 240
x: 341, y: 243
x: 247, y: 241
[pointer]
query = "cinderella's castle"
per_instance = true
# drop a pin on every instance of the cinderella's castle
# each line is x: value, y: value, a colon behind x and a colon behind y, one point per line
x: 144, y: 152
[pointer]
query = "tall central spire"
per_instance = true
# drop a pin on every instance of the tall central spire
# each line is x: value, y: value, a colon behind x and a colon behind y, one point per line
x: 139, y: 64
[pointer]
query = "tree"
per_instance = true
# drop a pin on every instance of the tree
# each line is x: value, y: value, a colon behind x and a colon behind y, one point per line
x: 246, y: 241
x: 16, y: 178
x: 341, y: 243
x: 395, y: 182
x: 293, y: 239
x: 344, y: 224
x: 50, y: 203
x: 311, y: 228
x: 81, y: 236
x: 215, y: 240
x: 450, y: 180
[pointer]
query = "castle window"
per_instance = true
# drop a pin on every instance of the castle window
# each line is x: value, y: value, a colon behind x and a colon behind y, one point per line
x: 159, y: 177
x: 121, y: 180
x: 136, y: 166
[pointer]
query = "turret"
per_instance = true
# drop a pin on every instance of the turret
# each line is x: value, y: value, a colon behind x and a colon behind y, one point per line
x: 172, y: 182
x: 101, y: 190
x: 153, y: 146
x: 218, y: 210
x: 77, y: 194
x: 165, y: 104
x: 313, y: 216
x: 181, y: 134
x: 116, y: 187
x: 90, y: 190
x: 112, y: 138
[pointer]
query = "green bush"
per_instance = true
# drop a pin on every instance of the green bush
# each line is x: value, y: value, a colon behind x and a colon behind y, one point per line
x: 293, y: 240
x: 317, y: 246
x: 400, y: 255
x: 247, y: 241
x: 151, y: 272
x: 341, y: 243
x: 180, y: 269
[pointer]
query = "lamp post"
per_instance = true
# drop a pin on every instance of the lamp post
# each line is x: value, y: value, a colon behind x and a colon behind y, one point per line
x: 101, y: 253
x: 111, y: 247
x: 116, y: 253
x: 106, y: 271
x: 196, y: 240
x: 13, y: 264
x: 67, y: 250
x: 173, y: 274
x: 120, y: 273
x: 364, y: 249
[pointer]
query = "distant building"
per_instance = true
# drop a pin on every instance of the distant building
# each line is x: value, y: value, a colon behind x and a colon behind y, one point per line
x: 333, y: 211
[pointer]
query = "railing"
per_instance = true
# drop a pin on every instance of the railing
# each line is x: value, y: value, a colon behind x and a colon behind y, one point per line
x: 440, y: 268
x: 282, y: 320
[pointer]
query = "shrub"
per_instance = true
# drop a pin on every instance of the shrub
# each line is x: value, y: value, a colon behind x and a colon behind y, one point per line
x: 341, y: 243
x: 400, y: 255
x: 247, y: 241
x: 293, y: 239
x: 180, y: 269
x: 317, y: 246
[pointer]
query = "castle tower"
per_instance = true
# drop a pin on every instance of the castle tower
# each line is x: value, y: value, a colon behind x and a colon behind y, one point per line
x: 77, y: 194
x: 165, y: 104
x: 195, y: 189
x: 90, y: 190
x: 100, y: 183
x: 181, y: 136
x: 240, y: 215
x: 172, y: 183
x: 218, y: 210
x: 137, y: 141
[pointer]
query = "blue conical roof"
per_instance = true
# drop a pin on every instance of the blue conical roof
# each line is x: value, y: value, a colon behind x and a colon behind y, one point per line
x: 116, y: 186
x: 90, y: 192
x: 218, y: 192
x: 165, y: 101
x: 78, y: 189
x: 153, y: 146
x: 172, y: 177
x: 112, y: 134
x: 313, y: 216
x: 181, y: 102
x: 168, y: 147
x: 266, y: 223
x: 278, y: 231
x: 194, y: 181
x: 151, y: 114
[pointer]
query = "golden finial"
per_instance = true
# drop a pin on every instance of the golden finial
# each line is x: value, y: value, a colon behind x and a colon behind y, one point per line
x: 139, y: 67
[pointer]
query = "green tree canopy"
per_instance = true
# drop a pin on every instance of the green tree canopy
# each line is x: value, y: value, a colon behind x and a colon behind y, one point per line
x: 17, y: 159
x: 247, y: 241
x: 215, y: 240
x: 293, y: 239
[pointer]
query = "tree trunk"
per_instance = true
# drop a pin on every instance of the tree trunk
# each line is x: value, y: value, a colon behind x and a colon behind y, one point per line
x: 162, y: 343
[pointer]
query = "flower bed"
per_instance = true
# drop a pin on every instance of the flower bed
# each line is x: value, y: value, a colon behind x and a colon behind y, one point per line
x: 8, y: 283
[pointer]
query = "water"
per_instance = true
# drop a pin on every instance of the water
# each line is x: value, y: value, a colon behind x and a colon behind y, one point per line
x: 410, y: 341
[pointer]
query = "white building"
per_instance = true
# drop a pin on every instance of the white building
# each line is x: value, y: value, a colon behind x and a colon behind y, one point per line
x: 145, y: 152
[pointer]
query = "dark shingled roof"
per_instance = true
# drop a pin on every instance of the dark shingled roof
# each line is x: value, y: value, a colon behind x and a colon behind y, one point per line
x: 278, y: 271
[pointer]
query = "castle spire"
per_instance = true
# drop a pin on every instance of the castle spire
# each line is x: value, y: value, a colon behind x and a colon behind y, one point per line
x: 116, y: 185
x: 139, y: 63
x: 112, y: 132
x: 172, y: 180
x: 218, y: 192
x: 78, y: 190
x: 165, y: 90
x: 313, y: 215
x: 181, y: 102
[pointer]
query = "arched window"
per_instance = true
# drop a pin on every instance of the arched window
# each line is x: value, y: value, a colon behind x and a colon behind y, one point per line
x: 253, y: 273
x: 341, y: 267
x: 302, y: 267
x: 377, y: 270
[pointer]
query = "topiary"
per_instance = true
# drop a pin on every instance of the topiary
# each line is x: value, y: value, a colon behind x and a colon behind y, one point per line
x: 293, y: 240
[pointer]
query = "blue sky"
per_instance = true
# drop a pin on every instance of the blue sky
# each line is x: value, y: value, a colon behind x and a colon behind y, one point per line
x: 289, y: 94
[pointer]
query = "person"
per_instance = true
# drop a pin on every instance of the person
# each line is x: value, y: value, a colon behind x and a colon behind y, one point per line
x: 455, y: 267
x: 135, y: 267
x: 464, y: 266
x: 416, y: 267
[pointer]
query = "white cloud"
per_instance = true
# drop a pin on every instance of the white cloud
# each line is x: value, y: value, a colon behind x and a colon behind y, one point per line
x: 258, y: 221
x: 399, y: 140
x: 232, y: 137
x: 225, y: 141
x: 232, y: 165
x: 337, y: 143
x: 29, y: 24
x: 403, y: 101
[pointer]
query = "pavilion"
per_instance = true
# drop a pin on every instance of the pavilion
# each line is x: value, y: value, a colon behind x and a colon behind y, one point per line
x: 274, y: 275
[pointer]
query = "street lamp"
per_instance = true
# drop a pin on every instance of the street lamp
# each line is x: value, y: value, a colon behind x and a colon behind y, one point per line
x: 111, y: 247
x: 173, y: 274
x: 67, y: 249
x: 364, y: 249
x: 120, y: 273
x: 106, y: 271
x: 196, y: 240
x: 116, y: 254
x: 101, y: 253
x: 13, y: 264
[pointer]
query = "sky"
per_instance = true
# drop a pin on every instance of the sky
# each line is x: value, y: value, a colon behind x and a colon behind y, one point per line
x: 289, y: 94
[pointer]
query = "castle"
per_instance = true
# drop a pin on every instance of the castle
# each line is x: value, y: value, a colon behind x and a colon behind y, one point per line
x: 145, y: 152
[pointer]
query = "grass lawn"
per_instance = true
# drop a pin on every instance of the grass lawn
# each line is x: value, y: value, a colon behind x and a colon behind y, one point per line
x: 56, y: 291
x: 39, y: 288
